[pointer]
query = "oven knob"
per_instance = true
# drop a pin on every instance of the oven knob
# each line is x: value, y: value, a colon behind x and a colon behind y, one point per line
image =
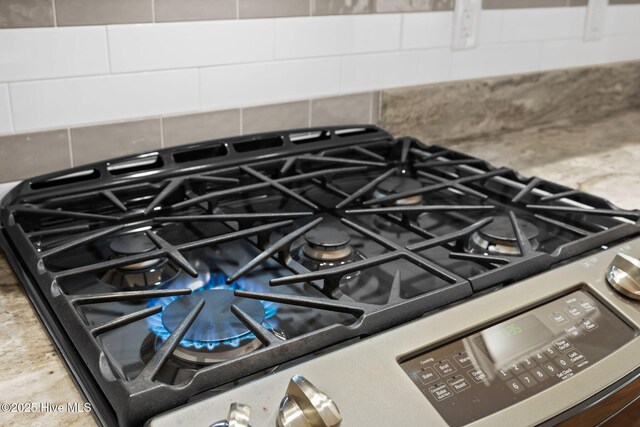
x: 624, y: 275
x: 306, y: 406
x: 239, y: 414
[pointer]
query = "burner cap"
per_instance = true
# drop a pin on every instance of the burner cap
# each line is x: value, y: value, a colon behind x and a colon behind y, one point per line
x: 399, y: 184
x: 131, y: 244
x: 327, y: 243
x: 215, y: 322
x: 501, y: 230
x: 498, y: 237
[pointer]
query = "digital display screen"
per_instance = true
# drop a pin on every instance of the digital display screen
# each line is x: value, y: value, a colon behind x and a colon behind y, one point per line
x: 508, y: 340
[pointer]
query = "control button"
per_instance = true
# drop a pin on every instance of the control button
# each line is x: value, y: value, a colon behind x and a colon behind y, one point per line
x: 550, y: 368
x: 463, y: 359
x: 478, y: 375
x: 574, y: 356
x: 458, y: 383
x: 516, y: 368
x: 445, y: 367
x: 573, y: 331
x: 515, y: 386
x: 586, y: 306
x: 563, y: 362
x: 527, y: 379
x: 440, y: 391
x: 589, y: 324
x: 551, y: 352
x: 528, y: 363
x: 427, y: 376
x: 558, y: 317
x: 539, y: 374
x: 574, y: 311
x: 540, y: 357
x: 505, y: 374
x: 563, y: 345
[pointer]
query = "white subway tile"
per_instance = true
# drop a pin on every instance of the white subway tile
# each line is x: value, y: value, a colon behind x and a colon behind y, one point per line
x: 5, y: 110
x: 54, y: 103
x: 44, y: 53
x: 572, y: 53
x: 336, y: 35
x: 385, y: 70
x: 542, y: 23
x: 490, y: 26
x: 263, y: 83
x: 622, y: 19
x: 424, y: 30
x: 494, y: 60
x: 623, y: 47
x: 142, y: 47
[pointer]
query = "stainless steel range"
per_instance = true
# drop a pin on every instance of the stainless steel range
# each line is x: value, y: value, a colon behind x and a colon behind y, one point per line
x: 325, y: 277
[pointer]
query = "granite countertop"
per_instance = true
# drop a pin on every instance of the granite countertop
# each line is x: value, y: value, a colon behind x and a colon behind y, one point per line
x: 601, y: 158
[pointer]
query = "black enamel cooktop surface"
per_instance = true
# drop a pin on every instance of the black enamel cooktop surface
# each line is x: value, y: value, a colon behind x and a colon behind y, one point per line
x: 173, y: 275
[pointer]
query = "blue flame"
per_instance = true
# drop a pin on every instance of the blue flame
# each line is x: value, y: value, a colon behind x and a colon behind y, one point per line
x: 209, y: 281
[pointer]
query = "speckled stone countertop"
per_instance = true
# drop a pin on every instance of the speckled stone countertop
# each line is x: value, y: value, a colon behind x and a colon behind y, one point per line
x: 601, y: 158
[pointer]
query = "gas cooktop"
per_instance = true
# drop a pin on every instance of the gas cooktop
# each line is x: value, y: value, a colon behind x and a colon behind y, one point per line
x: 172, y: 276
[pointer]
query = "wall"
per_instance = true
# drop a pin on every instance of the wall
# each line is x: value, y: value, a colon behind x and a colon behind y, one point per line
x: 253, y: 65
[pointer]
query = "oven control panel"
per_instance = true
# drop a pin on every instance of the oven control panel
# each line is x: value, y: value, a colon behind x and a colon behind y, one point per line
x: 506, y: 363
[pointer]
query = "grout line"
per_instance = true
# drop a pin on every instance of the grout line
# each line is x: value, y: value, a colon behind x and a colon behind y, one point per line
x: 11, y: 115
x: 153, y: 11
x: 106, y: 31
x: 311, y: 6
x: 400, y: 44
x: 371, y: 95
x: 70, y: 147
x: 237, y: 9
x: 161, y: 132
x: 241, y: 121
x: 310, y: 111
x: 55, y: 15
x: 199, y: 88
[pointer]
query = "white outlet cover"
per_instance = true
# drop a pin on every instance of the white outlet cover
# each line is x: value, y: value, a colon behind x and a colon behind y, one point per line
x: 594, y: 22
x: 466, y: 19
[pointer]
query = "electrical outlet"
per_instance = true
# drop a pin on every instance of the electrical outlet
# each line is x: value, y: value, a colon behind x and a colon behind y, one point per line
x: 466, y: 19
x: 594, y: 23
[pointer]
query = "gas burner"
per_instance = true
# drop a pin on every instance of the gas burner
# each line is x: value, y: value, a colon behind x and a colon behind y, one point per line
x: 217, y: 335
x: 142, y: 274
x: 399, y: 184
x: 498, y: 237
x: 327, y: 244
x: 326, y: 247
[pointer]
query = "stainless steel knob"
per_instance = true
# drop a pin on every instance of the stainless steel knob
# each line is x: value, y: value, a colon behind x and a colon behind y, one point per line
x: 239, y: 414
x: 306, y: 406
x: 624, y: 275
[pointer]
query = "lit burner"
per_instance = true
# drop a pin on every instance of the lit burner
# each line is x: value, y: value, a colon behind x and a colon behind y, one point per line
x: 498, y: 237
x: 326, y: 247
x: 214, y: 325
x: 216, y: 335
x: 147, y: 273
x: 399, y: 184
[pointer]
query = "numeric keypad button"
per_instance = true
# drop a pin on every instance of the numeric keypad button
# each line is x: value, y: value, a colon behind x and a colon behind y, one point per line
x: 539, y: 374
x: 527, y: 379
x: 550, y: 368
x: 515, y: 386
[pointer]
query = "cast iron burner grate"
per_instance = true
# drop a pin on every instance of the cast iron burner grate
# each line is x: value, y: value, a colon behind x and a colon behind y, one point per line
x: 268, y: 192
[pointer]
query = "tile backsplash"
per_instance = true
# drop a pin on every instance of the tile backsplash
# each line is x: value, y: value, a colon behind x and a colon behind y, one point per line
x: 29, y: 154
x: 142, y: 74
x: 49, y: 13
